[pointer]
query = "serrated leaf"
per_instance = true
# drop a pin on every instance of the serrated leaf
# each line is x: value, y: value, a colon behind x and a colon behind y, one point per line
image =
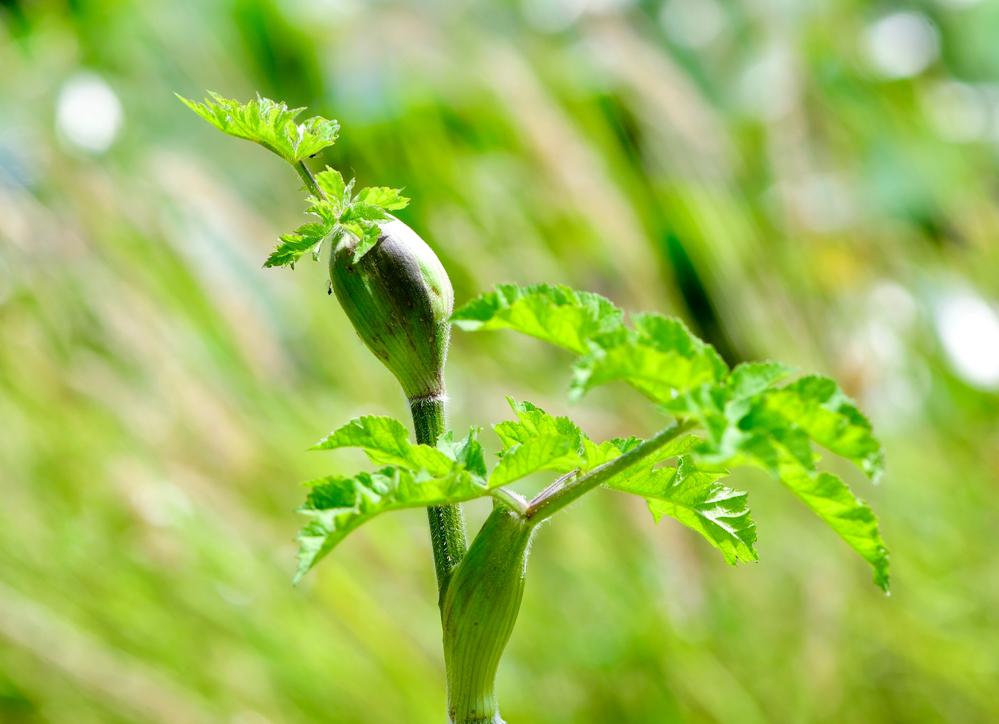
x: 467, y: 452
x: 659, y: 357
x: 556, y: 314
x: 269, y: 123
x: 364, y: 212
x: 337, y: 213
x: 386, y: 442
x: 784, y: 449
x: 751, y: 378
x: 295, y: 244
x: 367, y: 234
x: 751, y: 421
x: 535, y: 441
x: 692, y: 495
x: 596, y: 454
x: 819, y: 407
x: 337, y: 505
x: 383, y: 197
x: 333, y: 186
x: 833, y: 501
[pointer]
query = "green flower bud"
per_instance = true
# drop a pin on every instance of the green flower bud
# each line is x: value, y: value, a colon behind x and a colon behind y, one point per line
x: 399, y: 299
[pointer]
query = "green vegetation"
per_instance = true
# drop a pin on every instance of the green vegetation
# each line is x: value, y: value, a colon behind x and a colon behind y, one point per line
x: 769, y: 175
x: 396, y: 306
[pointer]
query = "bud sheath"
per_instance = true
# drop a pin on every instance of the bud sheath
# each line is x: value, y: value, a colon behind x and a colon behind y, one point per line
x: 479, y: 610
x: 399, y: 299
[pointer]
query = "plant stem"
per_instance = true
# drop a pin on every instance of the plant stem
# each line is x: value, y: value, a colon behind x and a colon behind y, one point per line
x: 478, y: 613
x: 554, y: 499
x: 309, y: 179
x: 447, y: 523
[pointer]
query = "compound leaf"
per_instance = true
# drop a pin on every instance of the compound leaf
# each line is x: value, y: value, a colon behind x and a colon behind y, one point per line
x: 751, y: 421
x: 269, y: 123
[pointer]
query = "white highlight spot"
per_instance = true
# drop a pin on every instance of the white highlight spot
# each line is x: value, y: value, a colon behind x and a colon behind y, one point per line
x: 767, y: 88
x: 88, y: 113
x: 553, y: 16
x: 692, y: 23
x: 902, y: 44
x: 893, y: 303
x: 958, y: 111
x: 968, y: 328
x: 824, y: 202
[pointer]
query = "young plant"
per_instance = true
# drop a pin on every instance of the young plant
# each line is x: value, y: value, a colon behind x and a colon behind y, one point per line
x: 399, y: 299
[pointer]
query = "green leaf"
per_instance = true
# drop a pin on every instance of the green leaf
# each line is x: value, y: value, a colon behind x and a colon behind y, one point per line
x: 271, y: 124
x: 535, y: 441
x: 364, y: 212
x: 386, y: 442
x: 309, y: 236
x: 367, y: 233
x: 833, y: 501
x: 596, y: 454
x: 467, y: 452
x: 296, y: 243
x: 784, y: 450
x: 556, y: 314
x: 691, y: 495
x: 659, y: 357
x: 337, y: 212
x: 751, y: 421
x: 337, y: 192
x: 416, y: 476
x: 383, y: 197
x: 337, y: 505
x: 274, y: 126
x: 751, y: 378
x: 819, y: 407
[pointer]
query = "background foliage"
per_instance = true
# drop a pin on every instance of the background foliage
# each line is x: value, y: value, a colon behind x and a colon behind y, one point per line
x: 813, y: 182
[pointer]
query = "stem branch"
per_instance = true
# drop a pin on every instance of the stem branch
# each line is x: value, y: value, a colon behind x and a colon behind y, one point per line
x: 553, y: 499
x: 310, y: 180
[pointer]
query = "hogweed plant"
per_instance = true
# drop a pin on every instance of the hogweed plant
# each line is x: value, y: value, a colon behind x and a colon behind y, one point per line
x: 399, y: 298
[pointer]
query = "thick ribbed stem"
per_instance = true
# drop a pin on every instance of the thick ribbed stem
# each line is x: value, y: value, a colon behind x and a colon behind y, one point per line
x: 479, y: 610
x: 447, y: 523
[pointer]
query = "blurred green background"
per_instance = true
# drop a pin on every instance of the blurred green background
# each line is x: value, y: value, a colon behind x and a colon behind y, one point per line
x: 810, y: 181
